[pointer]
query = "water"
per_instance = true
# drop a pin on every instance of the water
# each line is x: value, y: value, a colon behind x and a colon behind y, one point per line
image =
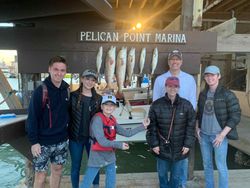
x: 11, y: 166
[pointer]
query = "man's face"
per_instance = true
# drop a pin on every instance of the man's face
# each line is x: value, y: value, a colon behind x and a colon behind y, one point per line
x: 174, y: 63
x: 57, y: 72
x: 212, y: 79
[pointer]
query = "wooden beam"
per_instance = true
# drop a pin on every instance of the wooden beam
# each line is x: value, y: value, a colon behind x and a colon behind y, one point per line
x: 220, y: 6
x: 130, y: 4
x: 225, y: 29
x: 213, y: 4
x: 127, y: 14
x: 156, y: 3
x: 223, y: 20
x: 175, y: 25
x: 161, y: 11
x: 143, y: 4
x: 197, y: 13
x: 187, y: 15
x: 8, y: 94
x: 235, y: 4
x: 234, y: 43
x: 117, y: 4
x: 103, y: 8
x: 242, y: 7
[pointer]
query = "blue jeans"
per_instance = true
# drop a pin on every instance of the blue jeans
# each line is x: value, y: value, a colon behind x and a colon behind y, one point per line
x: 163, y: 167
x: 110, y: 173
x: 220, y: 153
x: 184, y: 173
x: 76, y: 153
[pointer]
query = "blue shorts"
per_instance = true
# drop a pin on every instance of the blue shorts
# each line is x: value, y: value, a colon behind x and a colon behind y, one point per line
x: 56, y: 153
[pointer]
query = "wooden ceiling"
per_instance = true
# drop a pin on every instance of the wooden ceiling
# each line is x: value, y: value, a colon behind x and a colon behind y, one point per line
x: 155, y: 14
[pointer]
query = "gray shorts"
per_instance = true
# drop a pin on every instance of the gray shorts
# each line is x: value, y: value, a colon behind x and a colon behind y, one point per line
x: 56, y: 154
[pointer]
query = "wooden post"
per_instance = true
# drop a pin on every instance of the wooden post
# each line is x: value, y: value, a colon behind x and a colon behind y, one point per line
x: 187, y: 15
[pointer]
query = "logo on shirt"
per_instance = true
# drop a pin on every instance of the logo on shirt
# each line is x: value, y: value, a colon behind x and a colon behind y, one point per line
x: 209, y: 107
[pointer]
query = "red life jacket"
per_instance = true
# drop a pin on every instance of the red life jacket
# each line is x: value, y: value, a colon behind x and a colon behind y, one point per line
x: 109, y: 129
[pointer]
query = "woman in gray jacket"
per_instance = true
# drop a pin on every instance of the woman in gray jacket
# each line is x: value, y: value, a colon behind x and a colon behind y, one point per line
x: 218, y: 115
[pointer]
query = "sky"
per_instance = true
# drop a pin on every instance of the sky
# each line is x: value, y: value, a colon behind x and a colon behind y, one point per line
x: 7, y: 56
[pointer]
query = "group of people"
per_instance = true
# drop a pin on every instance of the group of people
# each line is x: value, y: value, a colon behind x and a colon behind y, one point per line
x: 175, y: 122
x: 58, y: 121
x: 85, y: 119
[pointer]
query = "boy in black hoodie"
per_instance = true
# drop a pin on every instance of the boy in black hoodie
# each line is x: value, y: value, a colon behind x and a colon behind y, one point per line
x: 47, y: 124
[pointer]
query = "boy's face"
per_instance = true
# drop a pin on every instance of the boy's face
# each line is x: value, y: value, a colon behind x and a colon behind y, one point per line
x: 108, y: 108
x: 212, y: 79
x: 57, y: 72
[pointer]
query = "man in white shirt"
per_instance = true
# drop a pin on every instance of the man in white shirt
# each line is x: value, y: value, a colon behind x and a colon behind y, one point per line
x: 187, y: 90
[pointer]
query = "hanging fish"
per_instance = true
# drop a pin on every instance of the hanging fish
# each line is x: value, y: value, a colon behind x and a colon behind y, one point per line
x: 121, y: 68
x: 110, y: 67
x: 130, y: 65
x: 99, y: 60
x: 142, y: 59
x: 154, y: 60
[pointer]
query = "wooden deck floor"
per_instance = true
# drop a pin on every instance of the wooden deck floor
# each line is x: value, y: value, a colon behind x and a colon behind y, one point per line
x: 237, y: 178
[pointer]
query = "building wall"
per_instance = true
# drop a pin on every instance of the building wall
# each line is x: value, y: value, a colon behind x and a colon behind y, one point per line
x: 59, y: 35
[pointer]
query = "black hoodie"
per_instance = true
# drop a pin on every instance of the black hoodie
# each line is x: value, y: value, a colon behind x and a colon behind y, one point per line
x: 38, y: 123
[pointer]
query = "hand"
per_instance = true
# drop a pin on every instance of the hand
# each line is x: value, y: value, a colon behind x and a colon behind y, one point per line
x: 125, y: 146
x: 218, y: 140
x: 185, y: 150
x: 156, y: 150
x: 146, y: 122
x: 198, y: 130
x: 36, y: 150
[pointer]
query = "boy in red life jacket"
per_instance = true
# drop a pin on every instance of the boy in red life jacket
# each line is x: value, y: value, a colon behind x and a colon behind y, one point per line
x: 103, y: 130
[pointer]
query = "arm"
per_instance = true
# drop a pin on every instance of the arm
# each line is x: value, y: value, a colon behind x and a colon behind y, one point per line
x: 193, y: 94
x: 129, y: 132
x: 234, y: 114
x: 152, y: 134
x: 35, y: 112
x: 190, y: 128
x: 233, y: 110
x: 34, y: 116
x: 220, y: 137
x: 198, y: 116
x: 157, y: 89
